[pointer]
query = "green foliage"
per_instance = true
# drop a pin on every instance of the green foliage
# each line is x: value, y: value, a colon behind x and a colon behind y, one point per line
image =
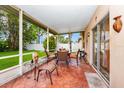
x: 52, y: 43
x: 9, y: 31
x: 9, y: 25
x: 62, y: 39
x: 45, y: 44
x: 30, y: 32
x: 3, y: 46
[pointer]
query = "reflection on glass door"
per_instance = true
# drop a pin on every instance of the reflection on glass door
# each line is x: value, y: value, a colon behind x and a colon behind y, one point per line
x: 95, y: 46
x: 101, y: 49
x: 104, y: 49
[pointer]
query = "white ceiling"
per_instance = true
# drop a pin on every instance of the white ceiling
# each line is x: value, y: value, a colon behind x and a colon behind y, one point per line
x: 61, y: 18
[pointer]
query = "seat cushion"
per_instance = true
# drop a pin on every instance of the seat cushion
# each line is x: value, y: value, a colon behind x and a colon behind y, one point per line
x: 50, y: 66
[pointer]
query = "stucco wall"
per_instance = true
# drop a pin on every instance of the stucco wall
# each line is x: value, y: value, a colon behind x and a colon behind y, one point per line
x: 100, y: 13
x: 116, y: 43
x: 116, y: 49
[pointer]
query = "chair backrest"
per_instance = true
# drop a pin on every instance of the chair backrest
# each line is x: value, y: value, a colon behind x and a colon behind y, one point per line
x: 78, y: 52
x: 62, y: 56
x: 35, y: 57
x: 47, y: 54
x: 84, y: 54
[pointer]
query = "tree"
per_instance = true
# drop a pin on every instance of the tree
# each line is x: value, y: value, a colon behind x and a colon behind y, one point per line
x: 52, y: 43
x: 62, y: 39
x: 9, y: 24
x: 30, y: 32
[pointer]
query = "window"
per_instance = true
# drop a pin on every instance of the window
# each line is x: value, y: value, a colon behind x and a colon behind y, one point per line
x: 9, y: 38
x: 63, y: 41
x: 33, y: 38
x: 52, y: 42
x: 76, y: 42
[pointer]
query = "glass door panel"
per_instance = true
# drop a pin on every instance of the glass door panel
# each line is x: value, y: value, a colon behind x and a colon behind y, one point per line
x: 104, y: 51
x: 101, y: 49
x: 95, y: 46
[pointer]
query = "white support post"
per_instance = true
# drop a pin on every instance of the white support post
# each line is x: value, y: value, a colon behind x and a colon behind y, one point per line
x: 20, y: 40
x: 48, y: 39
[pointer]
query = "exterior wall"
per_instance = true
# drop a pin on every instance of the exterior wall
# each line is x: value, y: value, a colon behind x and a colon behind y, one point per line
x: 100, y: 13
x: 117, y: 49
x: 116, y: 43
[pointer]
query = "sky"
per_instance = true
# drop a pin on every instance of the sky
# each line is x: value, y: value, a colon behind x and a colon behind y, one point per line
x: 75, y: 37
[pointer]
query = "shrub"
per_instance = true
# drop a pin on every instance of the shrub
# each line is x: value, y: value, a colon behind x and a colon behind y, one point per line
x: 52, y: 43
x: 3, y: 46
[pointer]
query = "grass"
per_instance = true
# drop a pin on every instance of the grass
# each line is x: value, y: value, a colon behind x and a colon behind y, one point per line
x: 29, y: 56
x: 9, y: 62
x: 13, y: 53
x: 8, y: 53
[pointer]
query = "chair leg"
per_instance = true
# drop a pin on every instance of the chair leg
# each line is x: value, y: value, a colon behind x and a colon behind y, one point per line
x: 67, y: 63
x: 69, y: 60
x: 85, y: 60
x: 57, y: 62
x: 50, y: 78
x: 57, y: 71
x: 38, y: 75
x: 77, y: 61
x: 46, y: 72
x: 35, y: 73
x: 80, y: 55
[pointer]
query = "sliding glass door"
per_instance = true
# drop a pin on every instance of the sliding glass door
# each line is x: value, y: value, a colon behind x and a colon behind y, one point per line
x: 101, y: 49
x: 104, y: 47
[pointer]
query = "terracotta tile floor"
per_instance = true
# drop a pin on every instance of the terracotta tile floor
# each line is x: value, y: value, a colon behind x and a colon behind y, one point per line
x: 72, y: 77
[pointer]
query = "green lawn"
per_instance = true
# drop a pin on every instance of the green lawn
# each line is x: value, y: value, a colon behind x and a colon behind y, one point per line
x: 9, y: 62
x: 8, y: 53
x: 29, y: 56
x: 13, y: 53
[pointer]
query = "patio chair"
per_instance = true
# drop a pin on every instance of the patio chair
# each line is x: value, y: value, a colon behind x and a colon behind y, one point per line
x: 75, y: 56
x: 48, y: 68
x: 63, y: 56
x: 34, y: 62
x: 49, y: 58
x: 83, y: 54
